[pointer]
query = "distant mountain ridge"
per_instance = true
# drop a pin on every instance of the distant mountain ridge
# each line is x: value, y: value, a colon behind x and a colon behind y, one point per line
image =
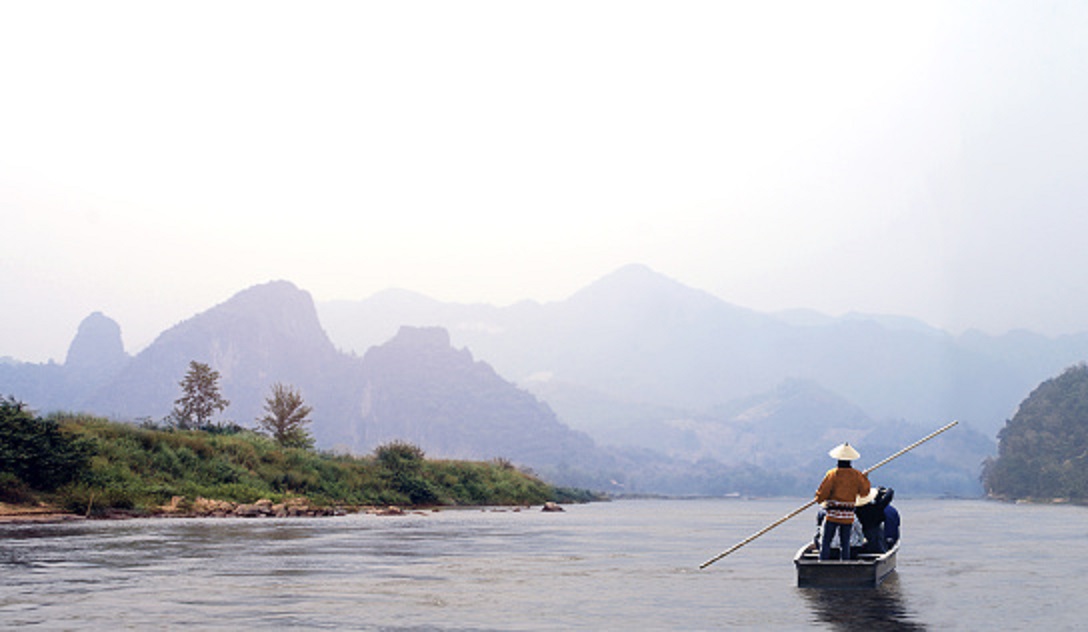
x: 417, y: 388
x: 638, y: 338
x: 413, y: 388
x: 677, y: 390
x: 262, y: 335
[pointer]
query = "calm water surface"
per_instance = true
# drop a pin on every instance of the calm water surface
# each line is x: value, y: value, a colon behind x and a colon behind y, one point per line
x: 623, y: 565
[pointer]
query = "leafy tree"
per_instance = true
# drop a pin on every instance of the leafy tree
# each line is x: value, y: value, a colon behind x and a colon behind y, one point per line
x: 287, y: 418
x: 403, y: 465
x: 200, y: 399
x: 35, y: 451
x: 400, y: 456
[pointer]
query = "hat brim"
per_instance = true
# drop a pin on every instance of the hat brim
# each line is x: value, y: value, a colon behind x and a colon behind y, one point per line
x: 868, y: 498
x: 844, y: 452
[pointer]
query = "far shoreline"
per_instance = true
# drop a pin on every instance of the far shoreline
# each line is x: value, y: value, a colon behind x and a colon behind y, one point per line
x: 47, y: 514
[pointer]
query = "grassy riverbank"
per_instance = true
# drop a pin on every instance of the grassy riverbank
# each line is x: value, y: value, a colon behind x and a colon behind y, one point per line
x: 122, y: 467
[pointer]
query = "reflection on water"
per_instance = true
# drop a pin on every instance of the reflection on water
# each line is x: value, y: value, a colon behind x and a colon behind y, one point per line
x: 862, y: 609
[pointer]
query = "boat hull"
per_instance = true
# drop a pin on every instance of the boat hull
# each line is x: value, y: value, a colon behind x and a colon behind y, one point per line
x: 866, y: 572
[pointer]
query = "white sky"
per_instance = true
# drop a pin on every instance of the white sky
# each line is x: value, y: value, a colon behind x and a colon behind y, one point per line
x: 926, y: 159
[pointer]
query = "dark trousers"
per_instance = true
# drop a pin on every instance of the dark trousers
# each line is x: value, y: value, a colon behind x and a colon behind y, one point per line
x: 830, y: 529
x: 874, y: 539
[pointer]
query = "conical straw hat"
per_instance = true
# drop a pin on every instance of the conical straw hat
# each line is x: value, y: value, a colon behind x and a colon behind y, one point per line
x: 844, y: 453
x: 868, y: 498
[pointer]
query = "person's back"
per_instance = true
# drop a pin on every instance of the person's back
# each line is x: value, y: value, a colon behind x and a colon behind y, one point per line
x: 838, y: 492
x: 891, y: 525
x: 869, y: 514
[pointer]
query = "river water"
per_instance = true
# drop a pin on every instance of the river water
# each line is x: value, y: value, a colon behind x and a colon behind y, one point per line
x: 623, y: 565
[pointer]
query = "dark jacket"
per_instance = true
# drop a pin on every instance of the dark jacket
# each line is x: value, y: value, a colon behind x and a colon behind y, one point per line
x: 872, y: 514
x: 891, y: 525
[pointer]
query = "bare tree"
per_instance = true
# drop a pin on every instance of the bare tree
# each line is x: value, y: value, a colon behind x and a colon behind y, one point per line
x: 286, y: 418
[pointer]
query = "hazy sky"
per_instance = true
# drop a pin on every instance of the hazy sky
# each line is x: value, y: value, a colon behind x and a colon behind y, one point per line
x: 923, y: 159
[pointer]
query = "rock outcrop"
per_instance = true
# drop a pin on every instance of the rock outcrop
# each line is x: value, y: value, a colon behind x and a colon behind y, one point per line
x: 97, y: 347
x: 296, y: 507
x: 417, y: 388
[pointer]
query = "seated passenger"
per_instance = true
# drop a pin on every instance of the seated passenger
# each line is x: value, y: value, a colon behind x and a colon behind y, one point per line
x: 870, y: 510
x: 891, y: 525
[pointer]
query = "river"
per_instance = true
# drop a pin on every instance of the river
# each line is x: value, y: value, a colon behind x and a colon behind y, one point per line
x: 623, y: 565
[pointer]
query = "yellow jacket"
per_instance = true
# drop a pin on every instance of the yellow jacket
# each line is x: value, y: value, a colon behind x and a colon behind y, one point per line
x: 839, y: 489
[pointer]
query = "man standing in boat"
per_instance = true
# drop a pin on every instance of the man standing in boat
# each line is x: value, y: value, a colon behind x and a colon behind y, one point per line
x: 838, y: 491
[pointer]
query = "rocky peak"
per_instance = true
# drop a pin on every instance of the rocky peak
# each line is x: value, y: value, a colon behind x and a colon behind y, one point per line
x: 424, y: 350
x: 417, y: 388
x: 280, y: 305
x: 421, y: 338
x: 262, y: 335
x: 97, y: 345
x: 265, y: 317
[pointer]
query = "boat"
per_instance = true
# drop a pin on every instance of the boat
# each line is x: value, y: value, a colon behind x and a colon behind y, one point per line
x: 867, y: 571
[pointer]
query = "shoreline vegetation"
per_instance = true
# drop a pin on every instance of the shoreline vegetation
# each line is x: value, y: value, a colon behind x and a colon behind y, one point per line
x: 69, y: 466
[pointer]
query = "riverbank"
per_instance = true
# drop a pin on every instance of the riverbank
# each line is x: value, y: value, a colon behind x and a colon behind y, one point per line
x: 115, y: 470
x: 207, y: 508
x: 34, y: 513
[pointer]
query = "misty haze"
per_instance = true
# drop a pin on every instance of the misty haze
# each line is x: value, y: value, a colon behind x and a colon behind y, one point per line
x: 498, y: 315
x: 636, y: 384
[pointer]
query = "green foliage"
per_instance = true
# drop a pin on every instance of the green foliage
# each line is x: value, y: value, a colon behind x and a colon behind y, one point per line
x: 397, y: 456
x: 575, y: 495
x: 1043, y: 449
x: 36, y: 451
x: 403, y: 466
x: 478, y: 483
x: 95, y: 500
x: 139, y: 468
x: 200, y: 397
x: 13, y: 489
x: 287, y: 417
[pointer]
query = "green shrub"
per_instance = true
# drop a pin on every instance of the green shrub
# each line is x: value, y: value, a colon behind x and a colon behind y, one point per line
x: 166, y: 461
x: 13, y: 489
x: 397, y: 456
x: 403, y: 466
x: 36, y: 451
x: 91, y: 500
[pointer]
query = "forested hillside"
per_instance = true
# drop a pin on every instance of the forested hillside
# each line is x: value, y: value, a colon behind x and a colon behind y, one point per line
x: 1043, y: 449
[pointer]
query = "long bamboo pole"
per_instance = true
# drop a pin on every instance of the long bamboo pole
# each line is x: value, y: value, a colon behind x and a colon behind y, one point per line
x: 813, y: 501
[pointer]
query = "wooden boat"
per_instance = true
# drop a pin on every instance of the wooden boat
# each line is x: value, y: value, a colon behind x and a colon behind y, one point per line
x: 865, y: 572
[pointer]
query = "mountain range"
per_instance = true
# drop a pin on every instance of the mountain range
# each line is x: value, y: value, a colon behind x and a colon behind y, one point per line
x: 636, y: 383
x: 638, y: 344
